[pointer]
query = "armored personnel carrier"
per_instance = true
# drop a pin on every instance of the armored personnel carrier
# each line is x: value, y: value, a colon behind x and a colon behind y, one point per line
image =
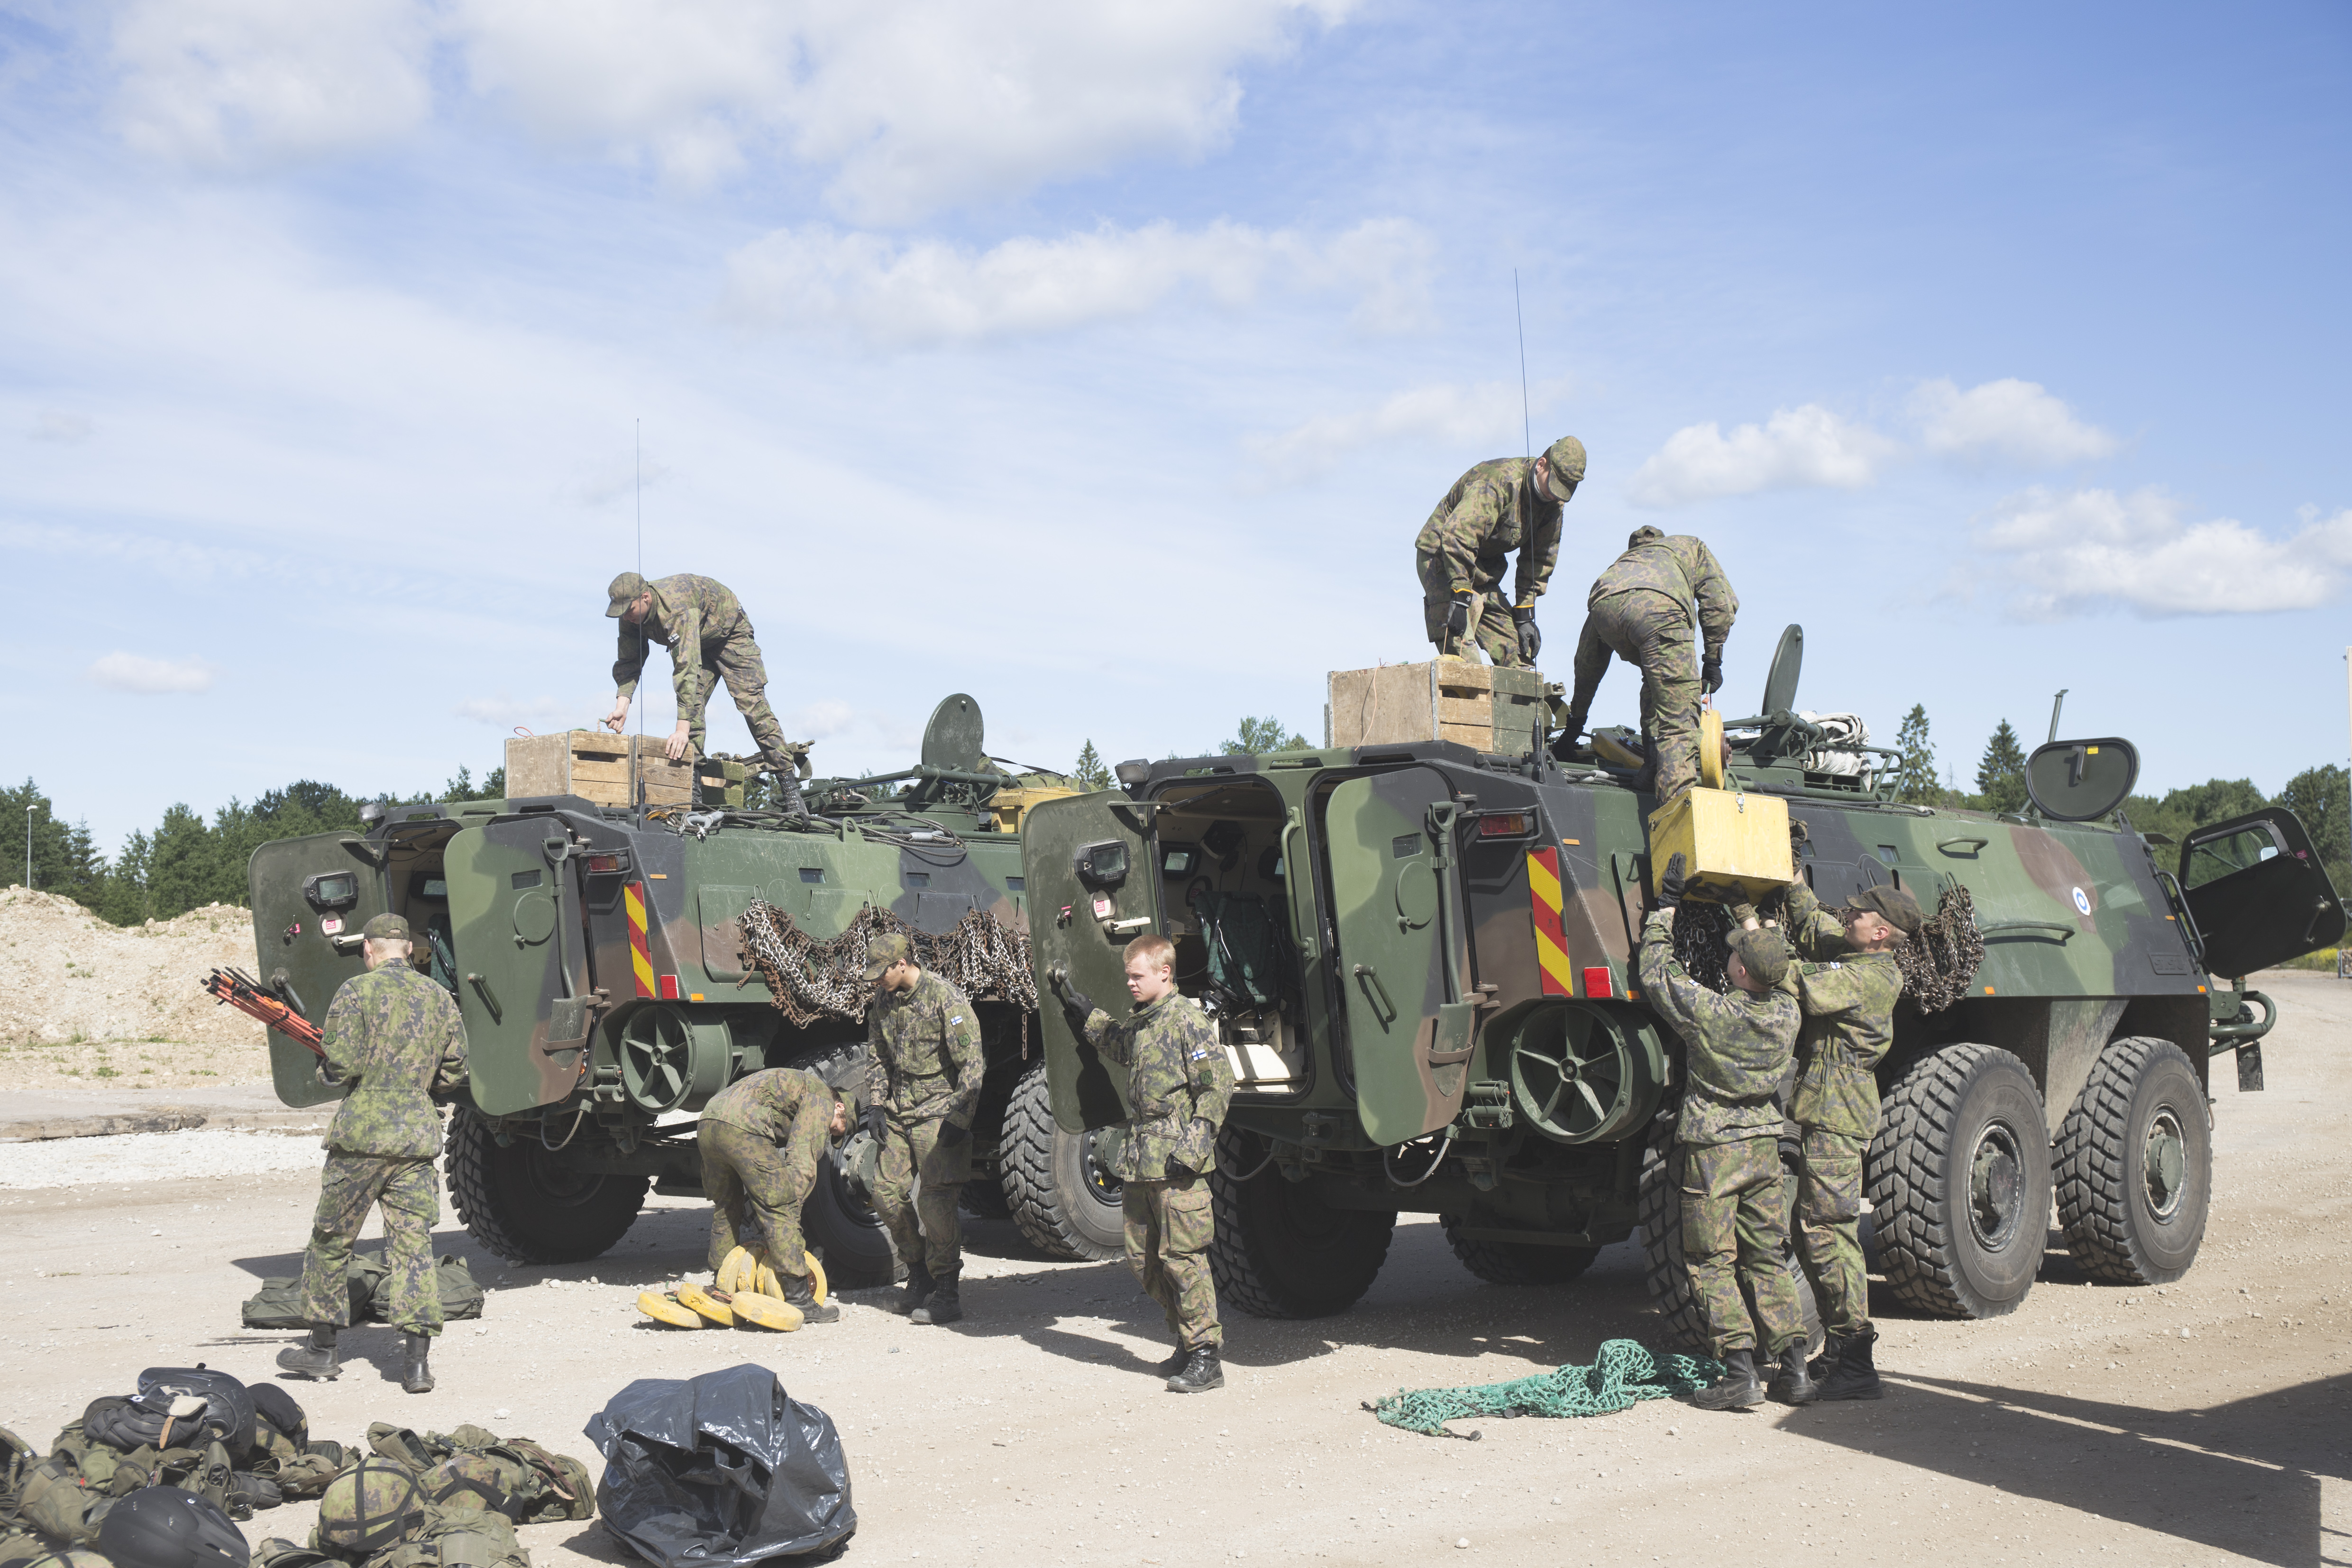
x: 618, y: 966
x: 1421, y: 959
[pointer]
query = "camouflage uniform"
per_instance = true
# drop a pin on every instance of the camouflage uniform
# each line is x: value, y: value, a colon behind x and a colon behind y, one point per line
x: 395, y: 1038
x: 1849, y: 1004
x: 1729, y: 1130
x: 1177, y: 1086
x: 708, y: 636
x: 1642, y: 609
x: 1491, y: 511
x: 925, y: 1072
x: 762, y: 1139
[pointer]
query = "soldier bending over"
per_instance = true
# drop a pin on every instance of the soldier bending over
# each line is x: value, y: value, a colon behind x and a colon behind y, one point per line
x: 1511, y: 503
x: 922, y: 1085
x: 761, y: 1138
x: 1644, y: 608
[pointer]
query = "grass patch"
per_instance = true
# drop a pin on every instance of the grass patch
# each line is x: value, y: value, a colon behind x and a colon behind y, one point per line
x: 2325, y: 960
x: 105, y: 1072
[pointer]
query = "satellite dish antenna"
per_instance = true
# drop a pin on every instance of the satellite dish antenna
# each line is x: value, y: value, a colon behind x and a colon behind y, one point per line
x: 953, y: 738
x: 2076, y: 781
x: 1780, y: 684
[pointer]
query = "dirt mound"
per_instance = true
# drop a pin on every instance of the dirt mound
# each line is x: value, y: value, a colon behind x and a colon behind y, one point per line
x: 80, y: 999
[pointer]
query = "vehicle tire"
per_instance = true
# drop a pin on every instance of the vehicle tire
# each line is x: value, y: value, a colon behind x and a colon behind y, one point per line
x: 523, y: 1204
x: 2134, y: 1166
x: 1280, y: 1250
x: 1516, y: 1263
x: 835, y: 1220
x: 1658, y: 1209
x: 1958, y: 1180
x: 1063, y: 1199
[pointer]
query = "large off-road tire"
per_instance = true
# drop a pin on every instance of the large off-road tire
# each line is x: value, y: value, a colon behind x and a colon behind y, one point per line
x: 1658, y: 1209
x: 1516, y: 1263
x: 2134, y: 1166
x: 1280, y: 1251
x: 1063, y: 1199
x: 1958, y: 1179
x: 524, y: 1204
x: 837, y: 1220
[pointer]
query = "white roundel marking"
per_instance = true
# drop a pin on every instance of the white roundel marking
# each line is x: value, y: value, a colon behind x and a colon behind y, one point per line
x: 2082, y: 901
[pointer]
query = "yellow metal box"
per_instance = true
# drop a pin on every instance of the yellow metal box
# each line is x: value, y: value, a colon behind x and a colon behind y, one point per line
x: 1724, y: 836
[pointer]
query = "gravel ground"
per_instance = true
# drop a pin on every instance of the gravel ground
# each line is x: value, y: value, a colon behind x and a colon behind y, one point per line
x: 154, y: 1157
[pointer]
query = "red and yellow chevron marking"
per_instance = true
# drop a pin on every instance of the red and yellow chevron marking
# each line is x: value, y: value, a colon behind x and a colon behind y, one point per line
x: 641, y: 958
x: 1551, y: 946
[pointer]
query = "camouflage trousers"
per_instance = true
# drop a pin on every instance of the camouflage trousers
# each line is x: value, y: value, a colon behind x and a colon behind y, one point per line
x: 921, y: 1218
x: 1492, y: 630
x: 1829, y: 1229
x: 1169, y: 1227
x: 755, y: 1196
x: 1735, y: 1233
x: 1653, y: 633
x: 410, y: 1197
x: 737, y: 662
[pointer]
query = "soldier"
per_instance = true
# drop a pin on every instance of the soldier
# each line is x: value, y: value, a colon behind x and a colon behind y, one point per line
x: 1847, y: 989
x: 708, y: 636
x: 1729, y: 1127
x: 1177, y: 1086
x: 396, y: 1040
x: 922, y: 1085
x: 1642, y: 608
x: 1508, y: 504
x: 761, y: 1138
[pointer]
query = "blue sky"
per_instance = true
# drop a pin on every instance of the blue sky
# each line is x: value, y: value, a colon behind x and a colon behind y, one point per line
x: 1102, y: 360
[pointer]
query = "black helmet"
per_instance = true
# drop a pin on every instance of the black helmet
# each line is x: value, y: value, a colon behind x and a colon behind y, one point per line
x: 166, y: 1526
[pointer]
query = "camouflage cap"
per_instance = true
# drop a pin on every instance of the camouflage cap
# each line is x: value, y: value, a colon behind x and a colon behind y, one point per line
x: 623, y: 592
x: 386, y: 928
x: 885, y: 949
x: 1895, y: 905
x: 1643, y: 535
x: 1764, y: 951
x: 1566, y: 458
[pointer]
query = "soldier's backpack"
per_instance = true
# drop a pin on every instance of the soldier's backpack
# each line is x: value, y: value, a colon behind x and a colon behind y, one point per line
x: 32, y: 1551
x: 474, y: 1469
x: 180, y: 1407
x: 371, y: 1507
x: 55, y: 1500
x: 278, y: 1303
x: 466, y: 1537
x: 204, y: 1471
x: 280, y: 1552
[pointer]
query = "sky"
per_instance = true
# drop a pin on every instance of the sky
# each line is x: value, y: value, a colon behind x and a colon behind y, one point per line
x: 1101, y: 360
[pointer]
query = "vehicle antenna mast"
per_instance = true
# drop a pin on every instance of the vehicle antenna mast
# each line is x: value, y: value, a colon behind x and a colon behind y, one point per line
x: 1527, y: 421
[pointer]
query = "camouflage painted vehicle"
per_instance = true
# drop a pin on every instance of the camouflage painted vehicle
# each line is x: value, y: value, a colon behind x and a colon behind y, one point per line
x: 1419, y: 960
x: 604, y: 961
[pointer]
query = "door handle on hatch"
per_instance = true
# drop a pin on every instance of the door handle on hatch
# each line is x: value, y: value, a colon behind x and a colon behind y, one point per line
x: 490, y: 999
x: 1369, y: 978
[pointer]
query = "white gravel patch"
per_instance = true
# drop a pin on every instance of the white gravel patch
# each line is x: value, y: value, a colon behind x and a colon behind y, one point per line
x: 155, y: 1157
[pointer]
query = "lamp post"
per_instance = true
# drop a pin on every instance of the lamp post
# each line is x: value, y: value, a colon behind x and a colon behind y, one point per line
x: 28, y: 850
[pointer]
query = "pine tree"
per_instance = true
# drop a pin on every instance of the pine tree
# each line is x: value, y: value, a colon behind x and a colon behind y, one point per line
x: 1914, y: 775
x: 2001, y: 774
x: 1259, y: 736
x: 1089, y: 771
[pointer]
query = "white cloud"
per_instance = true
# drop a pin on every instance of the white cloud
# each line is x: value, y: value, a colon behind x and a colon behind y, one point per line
x: 924, y: 292
x: 1796, y: 449
x: 2012, y: 419
x: 1488, y: 412
x: 2074, y: 551
x: 151, y: 677
x: 60, y: 426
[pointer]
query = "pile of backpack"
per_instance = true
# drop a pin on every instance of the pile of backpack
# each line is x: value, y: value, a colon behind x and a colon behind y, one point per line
x: 155, y: 1479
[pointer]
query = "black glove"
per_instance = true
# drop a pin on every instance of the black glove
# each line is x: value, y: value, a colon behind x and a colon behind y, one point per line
x: 877, y: 1123
x: 950, y: 1134
x: 1710, y: 676
x: 1076, y: 1003
x: 1670, y: 885
x: 1457, y: 617
x: 1570, y: 736
x: 1531, y: 639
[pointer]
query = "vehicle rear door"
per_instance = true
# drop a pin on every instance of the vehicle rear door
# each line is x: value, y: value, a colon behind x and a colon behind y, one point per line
x: 1090, y: 871
x: 310, y: 896
x: 515, y: 914
x: 2257, y: 893
x: 1397, y: 905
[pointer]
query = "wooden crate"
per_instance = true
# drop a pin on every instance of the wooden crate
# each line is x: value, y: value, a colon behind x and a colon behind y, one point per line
x: 594, y: 765
x: 1483, y: 708
x: 1724, y: 837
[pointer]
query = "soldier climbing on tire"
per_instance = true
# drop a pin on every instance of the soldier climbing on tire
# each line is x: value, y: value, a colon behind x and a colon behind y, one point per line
x: 1506, y: 505
x: 762, y: 1139
x: 1646, y: 608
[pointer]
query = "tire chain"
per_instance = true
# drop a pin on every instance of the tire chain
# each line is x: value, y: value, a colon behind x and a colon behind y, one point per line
x: 810, y: 979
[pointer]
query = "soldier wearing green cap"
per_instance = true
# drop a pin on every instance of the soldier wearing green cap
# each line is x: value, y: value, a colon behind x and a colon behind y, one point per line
x: 1644, y: 608
x: 702, y: 624
x: 1728, y: 1142
x: 1509, y: 504
x: 922, y: 1085
x: 395, y: 1044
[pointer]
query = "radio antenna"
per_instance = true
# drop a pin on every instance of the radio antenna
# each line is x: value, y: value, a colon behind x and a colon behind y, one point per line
x: 644, y: 644
x: 1527, y: 421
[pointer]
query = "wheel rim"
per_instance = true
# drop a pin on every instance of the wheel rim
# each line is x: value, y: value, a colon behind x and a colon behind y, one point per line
x: 2167, y: 1164
x: 657, y: 1053
x: 1996, y: 1187
x: 564, y: 1185
x: 1104, y: 1187
x: 1572, y: 1082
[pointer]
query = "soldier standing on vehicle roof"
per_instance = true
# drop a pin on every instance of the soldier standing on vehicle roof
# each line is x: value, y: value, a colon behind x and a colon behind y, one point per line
x: 1643, y: 609
x: 708, y: 636
x: 922, y: 1085
x: 1511, y: 503
x: 762, y: 1139
x: 1177, y: 1086
x: 396, y: 1040
x: 1847, y: 989
x: 1728, y: 1130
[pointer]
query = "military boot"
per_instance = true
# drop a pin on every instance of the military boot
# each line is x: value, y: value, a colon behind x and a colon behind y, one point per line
x: 1854, y: 1377
x: 415, y: 1374
x: 1202, y: 1372
x: 801, y: 1294
x: 1737, y: 1389
x: 944, y: 1306
x: 917, y: 1287
x: 1791, y: 1386
x: 1174, y: 1363
x: 788, y: 794
x: 315, y: 1359
x: 1821, y: 1365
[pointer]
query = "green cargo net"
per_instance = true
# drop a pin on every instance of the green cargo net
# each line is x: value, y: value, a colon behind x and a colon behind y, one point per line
x: 1626, y: 1373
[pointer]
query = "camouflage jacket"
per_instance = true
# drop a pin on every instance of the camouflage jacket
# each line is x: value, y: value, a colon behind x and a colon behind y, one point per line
x: 1849, y: 1002
x: 395, y: 1038
x: 1492, y: 510
x: 1739, y: 1045
x: 690, y: 615
x: 924, y: 1058
x: 1177, y: 1085
x: 1686, y: 570
x: 788, y: 1106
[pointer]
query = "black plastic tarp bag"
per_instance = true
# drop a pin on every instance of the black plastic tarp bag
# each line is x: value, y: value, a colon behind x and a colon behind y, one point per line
x: 722, y: 1469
